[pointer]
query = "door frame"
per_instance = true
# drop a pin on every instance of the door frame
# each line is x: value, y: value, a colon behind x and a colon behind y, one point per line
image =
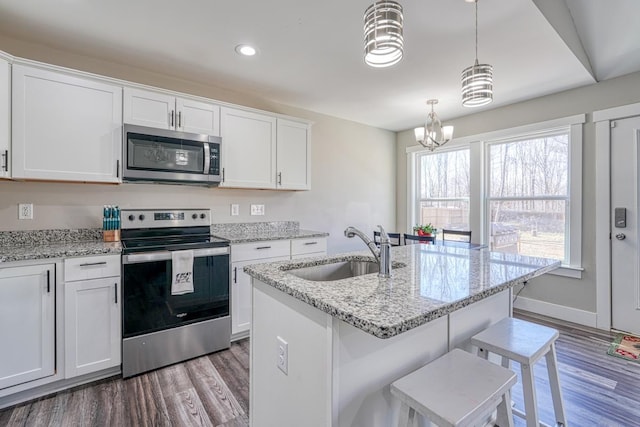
x: 603, y: 122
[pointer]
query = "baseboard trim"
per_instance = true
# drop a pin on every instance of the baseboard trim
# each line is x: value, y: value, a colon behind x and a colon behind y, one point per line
x: 561, y: 312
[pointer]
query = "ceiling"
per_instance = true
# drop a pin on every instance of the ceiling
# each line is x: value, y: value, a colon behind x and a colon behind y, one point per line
x: 310, y: 52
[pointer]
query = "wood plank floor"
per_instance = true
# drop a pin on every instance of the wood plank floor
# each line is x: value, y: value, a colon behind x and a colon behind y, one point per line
x: 599, y: 390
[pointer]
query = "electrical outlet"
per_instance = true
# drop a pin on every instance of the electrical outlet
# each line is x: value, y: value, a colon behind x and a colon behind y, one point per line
x: 25, y: 211
x: 235, y: 209
x: 257, y: 209
x: 283, y: 355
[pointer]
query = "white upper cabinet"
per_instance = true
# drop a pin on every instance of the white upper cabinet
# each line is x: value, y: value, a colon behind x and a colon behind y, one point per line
x: 293, y: 156
x: 163, y: 111
x: 248, y: 149
x: 261, y: 151
x: 65, y: 127
x: 5, y: 118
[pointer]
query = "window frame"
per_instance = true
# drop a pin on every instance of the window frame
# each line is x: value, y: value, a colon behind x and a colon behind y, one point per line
x: 415, y: 215
x: 478, y: 204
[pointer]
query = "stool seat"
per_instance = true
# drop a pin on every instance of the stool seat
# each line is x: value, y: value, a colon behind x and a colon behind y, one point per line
x: 525, y: 343
x: 458, y: 389
x: 516, y: 339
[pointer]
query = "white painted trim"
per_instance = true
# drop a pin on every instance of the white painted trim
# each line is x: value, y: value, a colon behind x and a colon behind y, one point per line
x: 567, y: 271
x: 621, y: 112
x: 411, y: 192
x: 603, y: 219
x: 569, y: 314
x: 525, y: 129
x: 453, y: 145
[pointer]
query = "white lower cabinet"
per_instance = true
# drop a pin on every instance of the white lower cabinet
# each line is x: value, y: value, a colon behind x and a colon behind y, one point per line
x: 244, y: 254
x: 92, y: 315
x: 27, y: 317
x: 241, y: 255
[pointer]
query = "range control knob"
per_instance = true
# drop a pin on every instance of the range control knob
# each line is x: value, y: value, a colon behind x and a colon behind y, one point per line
x: 141, y: 217
x: 132, y: 217
x: 202, y: 216
x: 194, y: 216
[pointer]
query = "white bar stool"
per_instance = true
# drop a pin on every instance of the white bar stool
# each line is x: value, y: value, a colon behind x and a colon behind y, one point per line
x: 458, y: 389
x: 526, y: 343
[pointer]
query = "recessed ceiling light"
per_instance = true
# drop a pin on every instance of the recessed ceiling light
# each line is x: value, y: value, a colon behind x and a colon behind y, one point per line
x: 246, y: 50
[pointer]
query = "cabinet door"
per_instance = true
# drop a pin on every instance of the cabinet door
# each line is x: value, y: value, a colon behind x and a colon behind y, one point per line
x: 294, y: 156
x: 92, y: 325
x: 65, y: 127
x: 241, y: 294
x: 198, y: 117
x: 152, y: 109
x: 5, y: 118
x: 27, y: 316
x: 248, y: 149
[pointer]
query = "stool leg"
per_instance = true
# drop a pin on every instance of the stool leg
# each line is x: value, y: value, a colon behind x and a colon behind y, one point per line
x: 407, y: 414
x: 505, y: 416
x: 483, y: 353
x: 529, y: 392
x: 554, y: 382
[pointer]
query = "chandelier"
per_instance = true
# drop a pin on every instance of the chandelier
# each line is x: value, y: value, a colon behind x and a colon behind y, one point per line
x: 383, y: 40
x: 433, y: 134
x: 477, y: 80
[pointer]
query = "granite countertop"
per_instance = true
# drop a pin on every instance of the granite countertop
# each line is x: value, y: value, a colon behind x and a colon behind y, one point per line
x: 46, y: 244
x: 248, y: 237
x: 433, y: 282
x: 261, y: 231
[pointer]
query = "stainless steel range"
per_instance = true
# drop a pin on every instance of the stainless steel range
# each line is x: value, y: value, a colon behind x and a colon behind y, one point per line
x: 175, y: 281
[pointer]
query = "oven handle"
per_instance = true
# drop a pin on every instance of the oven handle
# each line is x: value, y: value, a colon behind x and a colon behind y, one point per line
x: 166, y: 255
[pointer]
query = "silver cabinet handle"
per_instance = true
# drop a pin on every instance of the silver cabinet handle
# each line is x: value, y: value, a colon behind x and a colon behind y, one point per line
x: 263, y: 247
x: 279, y: 178
x: 115, y: 291
x: 235, y: 274
x: 621, y: 236
x: 172, y: 116
x: 117, y: 168
x: 5, y: 164
x: 311, y: 243
x: 92, y: 264
x: 48, y: 281
x: 179, y: 119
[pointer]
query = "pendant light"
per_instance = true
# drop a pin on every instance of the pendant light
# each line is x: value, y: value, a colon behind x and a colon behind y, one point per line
x: 383, y: 39
x: 477, y: 80
x: 433, y: 134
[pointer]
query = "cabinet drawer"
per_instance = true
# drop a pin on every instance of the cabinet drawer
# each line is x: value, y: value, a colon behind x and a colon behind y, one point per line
x: 308, y: 246
x: 84, y: 268
x: 259, y: 250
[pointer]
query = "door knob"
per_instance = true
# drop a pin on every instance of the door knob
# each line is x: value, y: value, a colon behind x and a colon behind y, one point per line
x: 620, y: 236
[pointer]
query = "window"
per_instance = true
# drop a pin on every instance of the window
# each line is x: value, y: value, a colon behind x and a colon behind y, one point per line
x: 528, y: 195
x: 443, y: 189
x: 518, y: 190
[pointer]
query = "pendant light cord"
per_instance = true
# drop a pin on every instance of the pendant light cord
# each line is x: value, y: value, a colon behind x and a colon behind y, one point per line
x: 476, y: 2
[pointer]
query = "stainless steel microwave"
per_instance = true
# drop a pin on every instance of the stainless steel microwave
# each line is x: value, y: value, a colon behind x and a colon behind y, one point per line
x: 166, y: 156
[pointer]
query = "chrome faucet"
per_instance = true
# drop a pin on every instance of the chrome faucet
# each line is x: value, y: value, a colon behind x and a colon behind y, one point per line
x: 382, y: 255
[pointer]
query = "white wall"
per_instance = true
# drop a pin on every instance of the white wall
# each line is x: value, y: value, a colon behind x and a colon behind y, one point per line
x: 353, y: 171
x: 572, y: 293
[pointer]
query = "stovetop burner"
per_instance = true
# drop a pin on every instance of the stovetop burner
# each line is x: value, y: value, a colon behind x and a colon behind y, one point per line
x: 146, y: 230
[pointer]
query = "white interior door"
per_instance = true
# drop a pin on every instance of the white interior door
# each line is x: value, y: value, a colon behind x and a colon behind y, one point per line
x: 625, y: 264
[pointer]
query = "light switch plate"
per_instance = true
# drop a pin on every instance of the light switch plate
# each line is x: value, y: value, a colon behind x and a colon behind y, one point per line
x: 235, y: 209
x: 257, y: 209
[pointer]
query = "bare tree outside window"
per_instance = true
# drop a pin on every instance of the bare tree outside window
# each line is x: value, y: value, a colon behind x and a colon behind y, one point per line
x: 443, y: 189
x: 528, y: 195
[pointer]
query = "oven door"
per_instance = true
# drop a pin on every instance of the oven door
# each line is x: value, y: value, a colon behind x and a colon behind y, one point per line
x: 148, y: 305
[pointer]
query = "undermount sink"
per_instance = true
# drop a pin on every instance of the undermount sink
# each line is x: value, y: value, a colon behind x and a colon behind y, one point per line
x: 338, y: 270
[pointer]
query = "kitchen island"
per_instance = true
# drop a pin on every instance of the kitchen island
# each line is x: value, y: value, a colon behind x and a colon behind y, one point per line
x: 344, y: 342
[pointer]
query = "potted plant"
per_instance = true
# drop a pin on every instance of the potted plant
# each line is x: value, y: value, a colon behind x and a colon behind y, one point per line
x: 424, y: 230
